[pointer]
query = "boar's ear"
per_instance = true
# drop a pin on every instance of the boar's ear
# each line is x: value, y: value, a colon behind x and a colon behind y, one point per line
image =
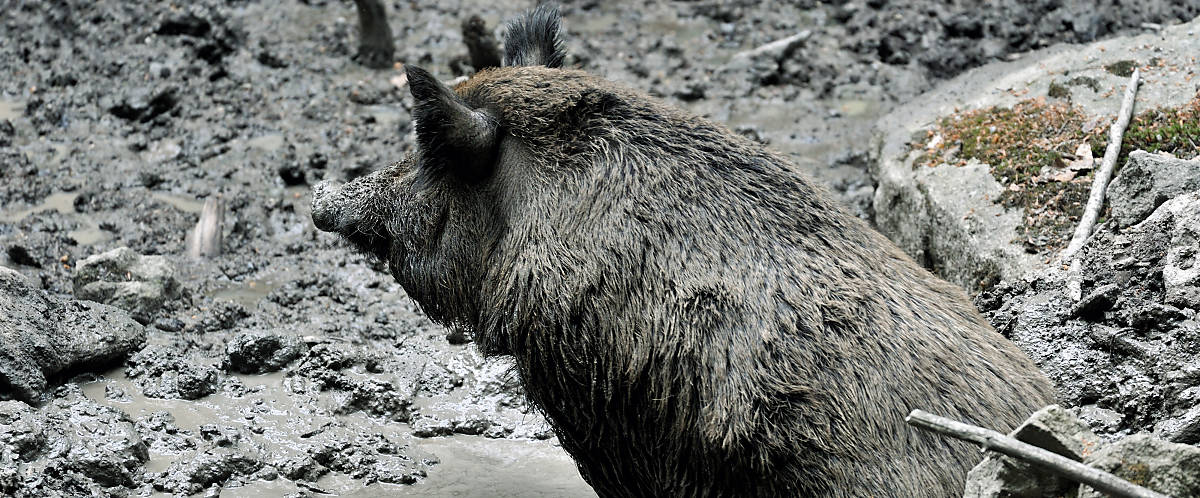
x: 453, y: 137
x: 535, y: 39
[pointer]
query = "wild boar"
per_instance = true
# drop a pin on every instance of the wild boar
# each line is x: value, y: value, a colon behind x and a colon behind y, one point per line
x: 694, y: 315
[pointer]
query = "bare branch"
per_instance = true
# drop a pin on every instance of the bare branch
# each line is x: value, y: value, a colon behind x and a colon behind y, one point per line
x: 1100, y: 183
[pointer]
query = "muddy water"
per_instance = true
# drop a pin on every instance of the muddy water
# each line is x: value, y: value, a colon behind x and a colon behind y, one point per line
x: 506, y: 465
x: 62, y: 202
x: 185, y: 203
x: 89, y: 231
x: 467, y: 465
x: 248, y: 293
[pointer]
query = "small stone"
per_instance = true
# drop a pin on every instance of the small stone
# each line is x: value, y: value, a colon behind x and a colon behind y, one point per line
x: 1097, y: 302
x: 253, y: 353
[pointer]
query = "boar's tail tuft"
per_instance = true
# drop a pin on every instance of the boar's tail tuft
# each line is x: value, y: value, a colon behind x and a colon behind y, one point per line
x: 535, y: 39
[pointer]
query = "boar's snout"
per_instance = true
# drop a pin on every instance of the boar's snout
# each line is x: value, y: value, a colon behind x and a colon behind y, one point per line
x: 329, y: 207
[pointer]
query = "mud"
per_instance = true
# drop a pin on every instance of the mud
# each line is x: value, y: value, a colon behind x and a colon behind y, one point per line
x: 1119, y: 339
x: 117, y: 121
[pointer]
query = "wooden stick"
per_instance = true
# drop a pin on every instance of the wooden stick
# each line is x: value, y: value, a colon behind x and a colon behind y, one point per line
x: 205, y: 239
x: 1061, y: 465
x: 1100, y: 183
x: 780, y: 45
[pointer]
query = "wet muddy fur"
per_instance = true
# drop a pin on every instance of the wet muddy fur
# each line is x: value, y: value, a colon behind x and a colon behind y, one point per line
x: 695, y: 317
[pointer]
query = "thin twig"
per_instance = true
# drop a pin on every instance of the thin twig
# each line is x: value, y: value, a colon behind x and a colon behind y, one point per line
x: 1061, y: 465
x: 1100, y: 183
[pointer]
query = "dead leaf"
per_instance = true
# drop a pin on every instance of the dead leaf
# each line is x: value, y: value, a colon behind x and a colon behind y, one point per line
x: 1065, y: 175
x: 1083, y: 159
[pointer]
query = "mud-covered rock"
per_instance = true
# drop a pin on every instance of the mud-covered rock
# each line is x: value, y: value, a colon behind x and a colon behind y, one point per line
x: 1146, y: 181
x: 22, y: 434
x: 92, y: 445
x: 125, y: 279
x: 1169, y: 468
x: 333, y: 368
x: 162, y: 372
x: 208, y: 467
x: 1052, y: 428
x: 41, y: 336
x: 373, y: 457
x: 1126, y: 359
x: 261, y: 352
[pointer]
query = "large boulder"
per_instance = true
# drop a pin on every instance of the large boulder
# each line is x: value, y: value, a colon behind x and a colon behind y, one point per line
x: 41, y: 335
x: 1148, y: 180
x: 125, y: 279
x: 946, y: 215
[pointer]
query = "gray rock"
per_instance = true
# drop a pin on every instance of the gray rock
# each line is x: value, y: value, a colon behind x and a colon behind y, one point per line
x: 1169, y: 468
x: 41, y: 336
x: 1100, y: 419
x: 1181, y: 273
x: 125, y: 279
x: 946, y: 216
x: 1182, y: 429
x: 261, y: 352
x: 1147, y: 181
x: 1052, y: 428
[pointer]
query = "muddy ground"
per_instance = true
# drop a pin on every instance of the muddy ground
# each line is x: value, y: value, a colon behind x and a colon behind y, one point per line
x: 117, y: 119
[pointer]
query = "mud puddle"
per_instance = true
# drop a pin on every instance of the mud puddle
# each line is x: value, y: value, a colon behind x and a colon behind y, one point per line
x: 248, y: 293
x: 88, y: 231
x: 185, y: 203
x: 508, y: 467
x: 267, y: 410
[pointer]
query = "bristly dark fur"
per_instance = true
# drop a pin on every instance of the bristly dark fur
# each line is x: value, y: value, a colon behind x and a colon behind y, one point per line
x: 694, y: 315
x: 535, y: 39
x: 453, y: 137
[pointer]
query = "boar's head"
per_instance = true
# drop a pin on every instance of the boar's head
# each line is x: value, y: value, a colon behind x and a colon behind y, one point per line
x: 483, y: 148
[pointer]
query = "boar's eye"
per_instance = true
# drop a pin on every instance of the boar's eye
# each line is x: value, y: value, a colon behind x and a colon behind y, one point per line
x: 535, y: 39
x: 453, y: 138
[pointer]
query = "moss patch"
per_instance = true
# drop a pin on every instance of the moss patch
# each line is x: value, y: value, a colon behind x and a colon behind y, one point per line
x: 1058, y: 91
x: 1031, y: 146
x: 1122, y: 68
x: 1174, y: 130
